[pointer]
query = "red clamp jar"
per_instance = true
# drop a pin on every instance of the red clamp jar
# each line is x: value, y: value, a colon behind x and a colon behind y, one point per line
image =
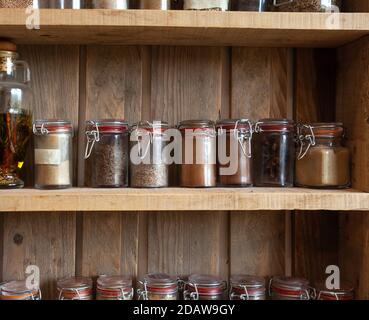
x: 245, y: 287
x: 107, y: 153
x: 158, y: 286
x: 204, y: 287
x: 234, y: 152
x: 75, y: 288
x: 290, y: 288
x: 17, y: 290
x: 345, y: 293
x: 114, y: 288
x: 198, y: 168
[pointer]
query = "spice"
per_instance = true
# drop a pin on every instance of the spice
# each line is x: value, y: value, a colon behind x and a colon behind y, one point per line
x: 323, y: 162
x: 17, y: 290
x: 149, y: 169
x: 274, y: 153
x: 245, y: 287
x: 114, y: 288
x: 238, y: 138
x: 198, y: 168
x: 219, y: 5
x: 204, y: 287
x: 53, y: 154
x: 345, y: 293
x: 67, y: 4
x: 306, y: 5
x: 158, y: 286
x: 290, y: 288
x: 75, y: 288
x: 155, y: 4
x: 110, y: 4
x: 252, y: 5
x: 15, y: 3
x: 107, y: 154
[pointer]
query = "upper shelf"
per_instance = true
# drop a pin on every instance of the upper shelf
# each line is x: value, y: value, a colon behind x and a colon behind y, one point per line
x: 153, y: 27
x: 182, y: 199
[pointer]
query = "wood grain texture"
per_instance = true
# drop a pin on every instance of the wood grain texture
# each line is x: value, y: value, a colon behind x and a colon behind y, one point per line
x: 356, y: 6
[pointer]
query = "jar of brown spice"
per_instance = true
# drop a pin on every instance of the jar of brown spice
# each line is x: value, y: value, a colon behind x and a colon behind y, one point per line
x: 158, y: 286
x: 155, y: 4
x: 345, y: 293
x: 245, y: 287
x: 114, y: 288
x: 204, y: 287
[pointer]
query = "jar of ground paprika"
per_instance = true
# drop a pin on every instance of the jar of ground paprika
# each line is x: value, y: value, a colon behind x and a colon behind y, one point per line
x: 198, y: 168
x: 204, y: 287
x: 114, y: 288
x: 290, y: 288
x: 245, y: 287
x: 107, y: 153
x: 234, y: 152
x: 158, y: 286
x: 75, y: 288
x: 274, y: 153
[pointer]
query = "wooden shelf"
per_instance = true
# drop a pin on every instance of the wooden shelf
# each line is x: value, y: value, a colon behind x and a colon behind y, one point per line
x: 182, y: 199
x: 152, y: 27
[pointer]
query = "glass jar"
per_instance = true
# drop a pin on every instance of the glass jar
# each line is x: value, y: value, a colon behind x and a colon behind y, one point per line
x: 323, y: 161
x: 110, y: 4
x: 218, y: 5
x: 155, y: 4
x: 75, y: 288
x: 245, y: 287
x: 345, y: 293
x: 204, y: 287
x: 289, y: 288
x: 15, y: 115
x: 252, y: 5
x: 149, y: 163
x: 107, y: 154
x: 66, y: 4
x: 15, y: 3
x: 234, y: 154
x: 198, y: 168
x: 274, y: 153
x: 158, y: 286
x: 114, y: 288
x: 306, y: 5
x: 17, y: 290
x: 53, y: 154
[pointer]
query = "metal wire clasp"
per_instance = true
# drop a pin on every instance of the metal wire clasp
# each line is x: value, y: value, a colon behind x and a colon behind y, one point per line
x: 42, y: 130
x: 188, y: 295
x: 302, y: 138
x: 93, y: 136
x: 143, y: 294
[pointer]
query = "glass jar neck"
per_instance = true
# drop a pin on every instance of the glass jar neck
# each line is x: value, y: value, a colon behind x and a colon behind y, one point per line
x: 334, y: 141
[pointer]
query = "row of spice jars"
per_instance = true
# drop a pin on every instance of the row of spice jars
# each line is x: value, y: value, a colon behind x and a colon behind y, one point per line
x: 220, y: 5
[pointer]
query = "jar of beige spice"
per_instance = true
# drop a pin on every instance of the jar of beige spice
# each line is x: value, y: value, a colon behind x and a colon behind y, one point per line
x: 110, y: 4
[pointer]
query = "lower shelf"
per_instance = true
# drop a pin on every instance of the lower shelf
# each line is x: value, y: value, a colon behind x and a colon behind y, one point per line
x: 181, y: 199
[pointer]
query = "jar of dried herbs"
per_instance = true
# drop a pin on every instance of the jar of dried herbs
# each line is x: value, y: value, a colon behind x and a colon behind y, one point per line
x: 198, y: 168
x: 149, y: 161
x: 15, y: 3
x: 323, y: 161
x: 17, y: 290
x: 53, y: 154
x: 107, y: 153
x: 245, y: 287
x: 290, y: 288
x: 110, y: 4
x: 274, y: 153
x: 155, y: 4
x: 234, y: 152
x: 75, y: 288
x: 218, y: 5
x: 158, y: 286
x: 114, y: 288
x: 306, y: 5
x: 345, y: 293
x: 204, y: 287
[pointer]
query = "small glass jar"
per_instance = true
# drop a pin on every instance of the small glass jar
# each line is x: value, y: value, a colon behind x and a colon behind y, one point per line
x: 75, y: 288
x: 66, y: 4
x: 53, y: 154
x: 252, y: 5
x: 107, y: 154
x: 306, y: 5
x: 217, y: 5
x: 345, y: 293
x: 155, y: 4
x: 323, y: 161
x: 289, y: 288
x: 234, y: 152
x: 274, y: 153
x: 198, y: 168
x: 17, y: 290
x: 204, y: 287
x: 114, y: 288
x: 245, y: 287
x: 149, y: 163
x: 110, y: 4
x: 158, y: 286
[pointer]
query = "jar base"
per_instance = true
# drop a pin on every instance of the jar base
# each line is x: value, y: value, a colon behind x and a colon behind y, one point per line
x: 53, y: 187
x: 14, y: 183
x: 323, y: 187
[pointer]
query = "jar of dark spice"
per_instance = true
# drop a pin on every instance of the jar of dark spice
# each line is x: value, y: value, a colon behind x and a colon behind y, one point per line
x: 252, y: 5
x: 198, y: 168
x: 218, y: 5
x: 274, y: 153
x: 110, y: 4
x: 155, y: 4
x: 306, y: 5
x: 149, y: 163
x: 75, y: 288
x: 53, y: 154
x: 323, y: 161
x: 245, y: 287
x: 158, y: 286
x: 234, y: 152
x: 204, y: 287
x: 289, y: 288
x: 114, y: 288
x: 17, y: 290
x: 345, y: 293
x: 107, y: 154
